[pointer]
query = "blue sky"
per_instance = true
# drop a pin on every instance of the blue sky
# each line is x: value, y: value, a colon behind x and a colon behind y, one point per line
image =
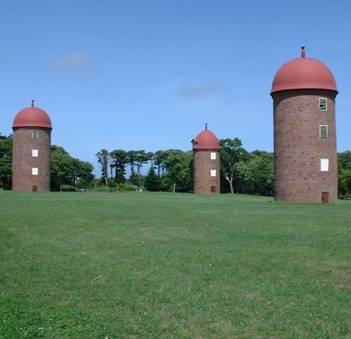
x: 149, y: 74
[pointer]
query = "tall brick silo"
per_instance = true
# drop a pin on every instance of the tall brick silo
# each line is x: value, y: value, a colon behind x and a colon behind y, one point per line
x: 206, y: 150
x: 31, y: 150
x: 303, y: 93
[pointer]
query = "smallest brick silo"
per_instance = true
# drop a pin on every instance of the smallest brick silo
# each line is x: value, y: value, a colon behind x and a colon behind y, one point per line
x: 31, y: 150
x: 206, y: 150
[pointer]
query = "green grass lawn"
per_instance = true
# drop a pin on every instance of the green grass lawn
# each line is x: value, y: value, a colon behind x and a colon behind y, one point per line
x: 98, y: 265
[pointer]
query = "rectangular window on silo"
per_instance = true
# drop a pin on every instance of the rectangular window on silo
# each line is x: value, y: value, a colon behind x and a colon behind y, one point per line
x: 35, y: 153
x: 35, y: 171
x: 35, y: 135
x: 323, y: 131
x: 213, y: 155
x: 213, y: 173
x: 324, y: 165
x: 323, y: 104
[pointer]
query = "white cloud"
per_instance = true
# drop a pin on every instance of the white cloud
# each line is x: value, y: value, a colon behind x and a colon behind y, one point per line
x: 70, y: 61
x: 201, y: 90
x: 79, y: 63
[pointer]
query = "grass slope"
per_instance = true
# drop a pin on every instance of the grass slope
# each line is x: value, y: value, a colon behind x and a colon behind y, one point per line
x: 98, y: 265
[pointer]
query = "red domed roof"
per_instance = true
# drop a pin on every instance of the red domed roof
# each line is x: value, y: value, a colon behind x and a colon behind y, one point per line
x: 303, y: 73
x: 32, y: 117
x: 206, y: 141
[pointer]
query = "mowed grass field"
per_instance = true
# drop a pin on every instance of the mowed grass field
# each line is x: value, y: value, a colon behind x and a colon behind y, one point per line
x: 147, y: 265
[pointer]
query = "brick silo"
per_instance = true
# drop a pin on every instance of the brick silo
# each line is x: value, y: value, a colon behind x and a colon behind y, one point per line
x: 31, y: 150
x: 206, y: 150
x: 303, y: 93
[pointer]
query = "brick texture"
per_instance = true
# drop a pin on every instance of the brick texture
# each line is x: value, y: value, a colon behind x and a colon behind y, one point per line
x: 203, y: 182
x: 23, y: 162
x: 298, y: 147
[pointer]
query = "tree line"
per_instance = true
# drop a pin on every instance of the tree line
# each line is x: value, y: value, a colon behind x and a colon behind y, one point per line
x: 172, y: 170
x: 164, y: 170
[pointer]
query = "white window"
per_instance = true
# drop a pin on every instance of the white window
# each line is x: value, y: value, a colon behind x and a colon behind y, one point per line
x: 323, y: 131
x: 324, y: 165
x: 213, y: 155
x: 213, y: 173
x: 323, y: 104
x: 35, y: 153
x: 35, y: 171
x: 35, y: 134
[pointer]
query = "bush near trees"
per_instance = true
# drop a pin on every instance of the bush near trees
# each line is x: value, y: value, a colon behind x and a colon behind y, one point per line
x: 152, y: 181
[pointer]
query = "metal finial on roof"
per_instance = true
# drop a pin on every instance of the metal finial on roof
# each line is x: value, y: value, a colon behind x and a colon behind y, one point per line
x: 302, y: 51
x: 32, y: 102
x: 206, y: 125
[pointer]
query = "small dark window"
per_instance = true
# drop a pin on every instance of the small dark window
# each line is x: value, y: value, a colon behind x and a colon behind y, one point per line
x: 323, y: 104
x: 323, y: 131
x: 34, y: 188
x: 325, y: 197
x: 35, y: 135
x: 213, y: 189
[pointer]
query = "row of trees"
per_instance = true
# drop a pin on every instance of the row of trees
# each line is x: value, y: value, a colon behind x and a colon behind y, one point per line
x: 67, y: 172
x: 165, y: 170
x: 172, y: 170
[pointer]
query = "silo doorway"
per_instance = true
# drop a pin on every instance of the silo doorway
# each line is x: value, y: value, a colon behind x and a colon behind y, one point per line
x: 325, y: 197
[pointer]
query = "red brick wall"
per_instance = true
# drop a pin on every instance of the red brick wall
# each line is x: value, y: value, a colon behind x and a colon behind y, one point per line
x: 298, y: 147
x: 202, y: 177
x: 23, y: 162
